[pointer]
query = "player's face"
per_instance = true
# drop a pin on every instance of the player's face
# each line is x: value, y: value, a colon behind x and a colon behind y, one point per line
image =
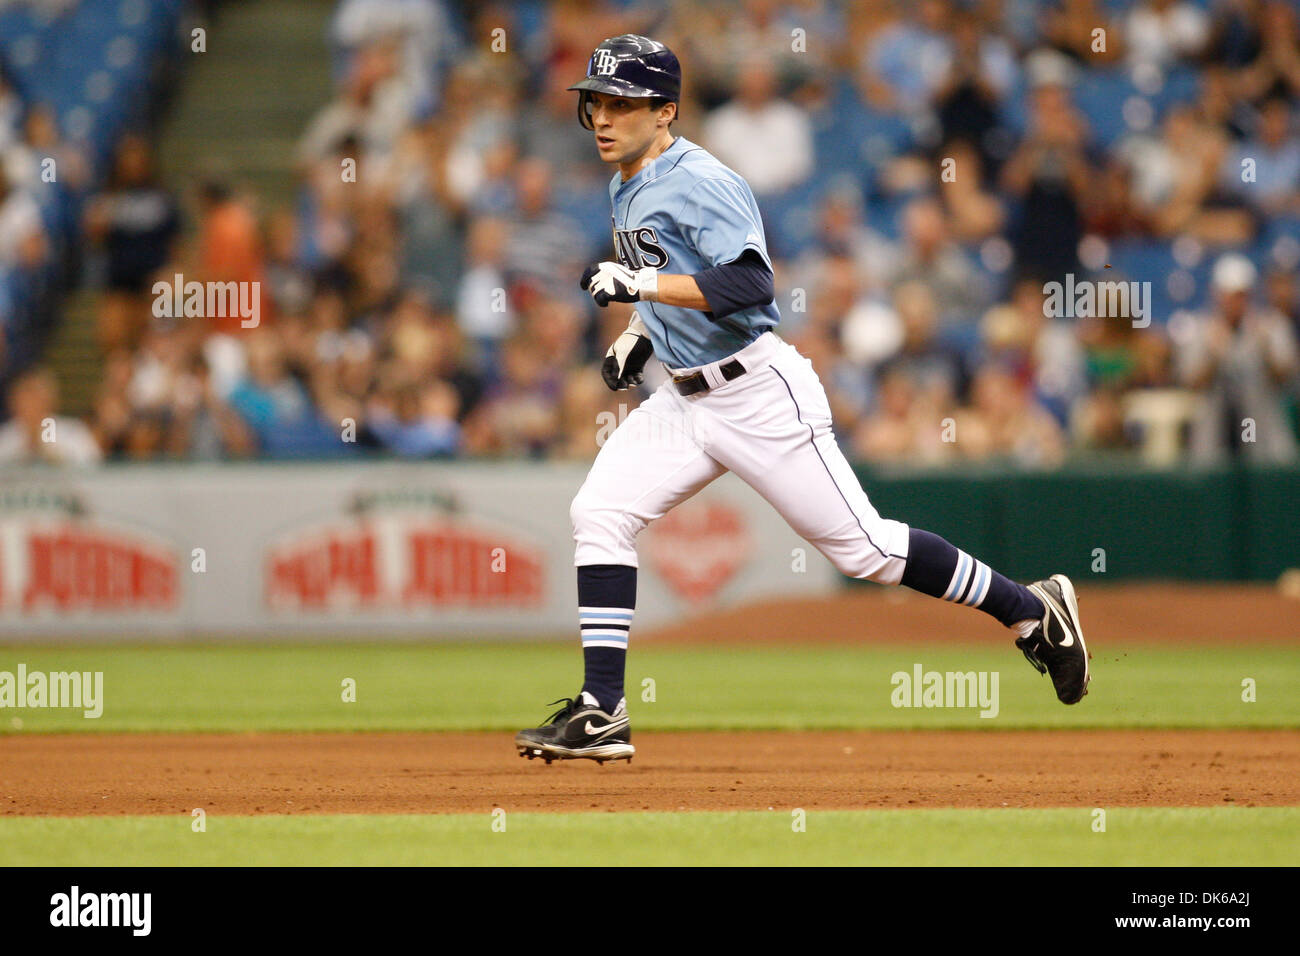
x: 625, y: 126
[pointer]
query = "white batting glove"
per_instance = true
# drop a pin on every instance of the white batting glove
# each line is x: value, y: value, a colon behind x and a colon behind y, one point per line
x: 610, y: 282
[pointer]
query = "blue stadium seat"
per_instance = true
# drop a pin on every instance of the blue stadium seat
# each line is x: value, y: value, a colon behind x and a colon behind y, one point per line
x: 1141, y: 260
x: 790, y: 218
x: 91, y: 64
x: 1100, y: 96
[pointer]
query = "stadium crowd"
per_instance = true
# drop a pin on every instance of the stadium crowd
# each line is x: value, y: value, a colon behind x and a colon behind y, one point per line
x: 420, y: 298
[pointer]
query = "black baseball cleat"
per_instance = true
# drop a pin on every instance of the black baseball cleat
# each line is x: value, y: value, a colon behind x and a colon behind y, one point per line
x: 1056, y: 647
x: 579, y: 729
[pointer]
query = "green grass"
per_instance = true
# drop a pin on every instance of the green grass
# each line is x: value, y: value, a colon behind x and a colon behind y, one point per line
x: 497, y: 686
x: 1133, y: 837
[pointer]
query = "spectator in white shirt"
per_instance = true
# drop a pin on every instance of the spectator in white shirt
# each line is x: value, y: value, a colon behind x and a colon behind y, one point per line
x: 765, y: 139
x: 482, y: 309
x: 35, y: 433
x: 22, y: 234
x: 1241, y: 358
x: 1162, y: 32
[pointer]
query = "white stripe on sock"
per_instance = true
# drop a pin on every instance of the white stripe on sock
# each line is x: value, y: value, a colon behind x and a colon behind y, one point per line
x: 983, y: 591
x: 625, y: 612
x: 958, y: 578
x: 976, y: 579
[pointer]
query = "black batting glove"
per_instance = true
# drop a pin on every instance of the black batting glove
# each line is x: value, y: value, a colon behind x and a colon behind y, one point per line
x: 624, y: 364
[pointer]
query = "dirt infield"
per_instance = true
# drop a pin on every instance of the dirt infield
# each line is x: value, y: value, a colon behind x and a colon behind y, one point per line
x: 446, y: 773
x: 113, y: 774
x: 1112, y: 614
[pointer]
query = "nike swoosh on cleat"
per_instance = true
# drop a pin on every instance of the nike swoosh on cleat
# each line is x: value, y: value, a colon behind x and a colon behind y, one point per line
x: 1068, y: 640
x: 600, y: 730
x: 1053, y: 606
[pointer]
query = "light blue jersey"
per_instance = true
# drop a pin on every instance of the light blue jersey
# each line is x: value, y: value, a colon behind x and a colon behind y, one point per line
x: 683, y: 213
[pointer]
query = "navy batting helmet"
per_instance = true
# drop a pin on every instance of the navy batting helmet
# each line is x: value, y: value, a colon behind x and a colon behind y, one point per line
x: 629, y: 65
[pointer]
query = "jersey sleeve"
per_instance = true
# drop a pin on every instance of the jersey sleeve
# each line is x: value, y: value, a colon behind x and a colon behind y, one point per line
x: 719, y: 221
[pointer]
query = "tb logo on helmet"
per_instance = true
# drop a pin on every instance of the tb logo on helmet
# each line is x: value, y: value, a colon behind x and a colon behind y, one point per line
x: 603, y: 63
x: 631, y: 66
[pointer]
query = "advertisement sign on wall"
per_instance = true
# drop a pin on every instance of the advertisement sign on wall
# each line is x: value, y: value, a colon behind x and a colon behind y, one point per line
x: 362, y: 551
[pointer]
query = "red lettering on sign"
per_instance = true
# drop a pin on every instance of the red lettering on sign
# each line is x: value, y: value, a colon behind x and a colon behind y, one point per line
x: 341, y: 568
x: 454, y: 566
x: 76, y: 568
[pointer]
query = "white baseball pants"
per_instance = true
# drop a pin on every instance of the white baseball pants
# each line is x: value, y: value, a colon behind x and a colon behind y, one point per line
x: 772, y: 427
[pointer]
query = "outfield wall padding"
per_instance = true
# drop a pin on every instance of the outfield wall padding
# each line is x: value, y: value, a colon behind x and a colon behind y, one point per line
x: 1228, y: 524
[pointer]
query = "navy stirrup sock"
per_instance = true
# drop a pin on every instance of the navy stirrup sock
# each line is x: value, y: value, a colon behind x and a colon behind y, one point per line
x: 936, y: 568
x: 606, y: 599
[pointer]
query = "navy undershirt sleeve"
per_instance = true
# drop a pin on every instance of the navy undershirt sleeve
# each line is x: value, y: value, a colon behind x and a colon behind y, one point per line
x: 737, y: 285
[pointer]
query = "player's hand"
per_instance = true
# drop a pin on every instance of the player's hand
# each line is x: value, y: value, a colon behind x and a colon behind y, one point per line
x: 624, y: 364
x: 610, y: 282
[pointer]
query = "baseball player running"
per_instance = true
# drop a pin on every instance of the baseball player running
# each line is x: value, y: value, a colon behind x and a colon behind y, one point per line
x: 693, y: 259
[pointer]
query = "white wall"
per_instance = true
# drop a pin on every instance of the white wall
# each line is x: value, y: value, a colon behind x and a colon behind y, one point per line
x: 355, y: 551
